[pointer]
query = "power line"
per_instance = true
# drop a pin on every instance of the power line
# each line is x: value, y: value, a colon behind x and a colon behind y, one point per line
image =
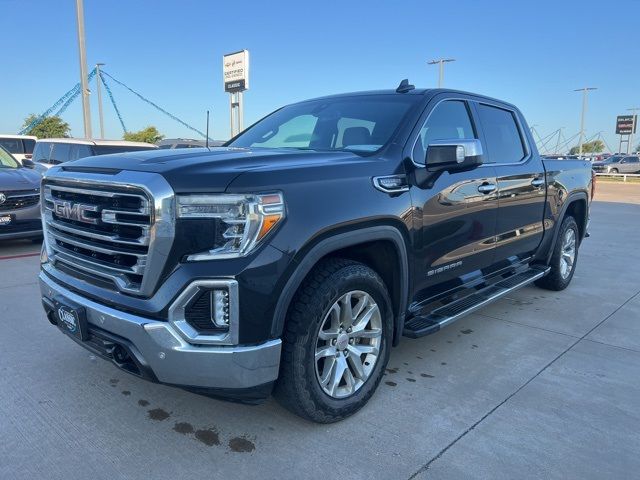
x: 113, y: 102
x: 173, y: 117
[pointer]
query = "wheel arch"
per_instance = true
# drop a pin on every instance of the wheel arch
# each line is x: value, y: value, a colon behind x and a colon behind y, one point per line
x: 577, y: 206
x: 357, y: 245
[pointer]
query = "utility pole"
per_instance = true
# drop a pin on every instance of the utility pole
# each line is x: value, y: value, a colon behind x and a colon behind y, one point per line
x: 98, y: 82
x: 441, y: 62
x: 558, y: 142
x: 84, y: 84
x: 584, y: 91
x: 633, y: 128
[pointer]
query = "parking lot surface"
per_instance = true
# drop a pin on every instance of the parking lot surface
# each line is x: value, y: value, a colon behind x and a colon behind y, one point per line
x: 538, y: 385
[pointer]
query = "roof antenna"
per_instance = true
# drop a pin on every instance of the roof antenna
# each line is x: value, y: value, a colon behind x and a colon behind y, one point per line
x: 207, y: 140
x: 405, y: 86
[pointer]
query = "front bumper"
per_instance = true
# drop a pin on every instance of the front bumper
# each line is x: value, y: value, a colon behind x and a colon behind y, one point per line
x: 160, y: 353
x: 26, y: 223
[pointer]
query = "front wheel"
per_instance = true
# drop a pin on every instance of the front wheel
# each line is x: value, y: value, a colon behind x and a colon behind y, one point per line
x: 564, y: 257
x: 613, y: 170
x: 336, y: 342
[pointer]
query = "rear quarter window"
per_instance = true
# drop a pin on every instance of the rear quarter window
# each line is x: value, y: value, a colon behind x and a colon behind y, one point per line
x: 28, y: 145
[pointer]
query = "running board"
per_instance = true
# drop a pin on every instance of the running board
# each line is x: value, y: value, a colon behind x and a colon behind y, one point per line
x: 420, y: 326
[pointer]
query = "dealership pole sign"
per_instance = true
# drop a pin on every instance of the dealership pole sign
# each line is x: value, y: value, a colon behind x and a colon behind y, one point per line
x: 626, y: 124
x: 235, y: 73
x: 235, y: 69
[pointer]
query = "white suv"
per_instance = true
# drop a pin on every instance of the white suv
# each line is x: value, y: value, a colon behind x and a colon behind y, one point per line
x: 20, y: 146
x: 54, y: 151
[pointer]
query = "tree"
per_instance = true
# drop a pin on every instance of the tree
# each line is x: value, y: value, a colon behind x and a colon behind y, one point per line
x: 149, y: 135
x: 596, y: 146
x: 50, y: 127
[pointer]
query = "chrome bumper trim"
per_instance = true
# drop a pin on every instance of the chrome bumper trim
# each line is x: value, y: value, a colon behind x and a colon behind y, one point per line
x: 173, y: 359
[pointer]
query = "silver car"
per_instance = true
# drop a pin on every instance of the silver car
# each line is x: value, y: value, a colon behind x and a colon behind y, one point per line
x: 19, y: 199
x: 618, y: 164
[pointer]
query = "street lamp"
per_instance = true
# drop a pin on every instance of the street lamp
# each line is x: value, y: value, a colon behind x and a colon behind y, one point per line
x: 584, y: 91
x: 441, y: 62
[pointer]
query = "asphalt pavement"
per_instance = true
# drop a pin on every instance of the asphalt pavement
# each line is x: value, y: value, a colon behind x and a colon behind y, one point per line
x: 538, y: 385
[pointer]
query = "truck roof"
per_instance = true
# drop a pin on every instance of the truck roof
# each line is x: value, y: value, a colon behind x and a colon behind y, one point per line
x: 414, y: 91
x: 7, y: 135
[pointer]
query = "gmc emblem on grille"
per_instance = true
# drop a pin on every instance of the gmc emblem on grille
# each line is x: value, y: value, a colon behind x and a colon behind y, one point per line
x: 75, y: 211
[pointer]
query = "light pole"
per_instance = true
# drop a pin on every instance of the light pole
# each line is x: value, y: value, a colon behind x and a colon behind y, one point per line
x: 633, y: 128
x: 584, y: 91
x: 98, y: 82
x: 84, y: 84
x: 441, y: 62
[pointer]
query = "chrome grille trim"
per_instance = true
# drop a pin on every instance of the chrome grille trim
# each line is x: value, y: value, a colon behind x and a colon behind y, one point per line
x: 128, y: 246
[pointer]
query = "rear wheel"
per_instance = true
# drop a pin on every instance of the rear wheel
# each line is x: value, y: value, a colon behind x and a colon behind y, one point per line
x: 564, y: 257
x: 336, y: 342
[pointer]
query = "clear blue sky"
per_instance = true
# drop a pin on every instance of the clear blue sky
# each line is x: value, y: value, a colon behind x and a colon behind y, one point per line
x: 530, y: 53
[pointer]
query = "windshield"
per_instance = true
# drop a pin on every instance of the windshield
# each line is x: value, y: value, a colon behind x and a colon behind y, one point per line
x: 359, y: 123
x: 7, y: 160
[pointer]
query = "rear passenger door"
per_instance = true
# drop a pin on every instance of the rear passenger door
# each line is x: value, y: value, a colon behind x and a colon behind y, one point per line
x: 521, y: 181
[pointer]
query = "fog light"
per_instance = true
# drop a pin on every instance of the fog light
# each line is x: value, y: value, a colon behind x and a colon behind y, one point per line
x: 220, y: 308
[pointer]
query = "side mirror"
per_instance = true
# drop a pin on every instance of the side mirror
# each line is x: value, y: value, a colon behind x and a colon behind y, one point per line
x: 453, y: 155
x: 28, y: 163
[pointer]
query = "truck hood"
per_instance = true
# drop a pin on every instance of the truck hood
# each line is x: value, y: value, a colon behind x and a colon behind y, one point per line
x: 18, y: 179
x: 210, y: 170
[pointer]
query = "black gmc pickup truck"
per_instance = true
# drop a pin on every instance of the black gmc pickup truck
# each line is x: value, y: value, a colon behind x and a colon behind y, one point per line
x: 295, y: 256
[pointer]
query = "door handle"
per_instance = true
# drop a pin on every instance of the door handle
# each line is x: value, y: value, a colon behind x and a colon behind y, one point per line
x: 487, y: 187
x: 537, y: 182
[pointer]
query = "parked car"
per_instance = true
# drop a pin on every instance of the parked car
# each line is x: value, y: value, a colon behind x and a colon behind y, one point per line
x: 296, y: 256
x: 187, y: 143
x: 618, y: 164
x: 20, y: 146
x: 19, y: 199
x: 54, y: 151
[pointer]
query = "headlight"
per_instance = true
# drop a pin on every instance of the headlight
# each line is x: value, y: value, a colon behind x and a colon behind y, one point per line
x: 245, y: 220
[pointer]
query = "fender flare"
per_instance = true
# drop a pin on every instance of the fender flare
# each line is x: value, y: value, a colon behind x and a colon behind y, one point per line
x: 570, y: 199
x: 337, y: 242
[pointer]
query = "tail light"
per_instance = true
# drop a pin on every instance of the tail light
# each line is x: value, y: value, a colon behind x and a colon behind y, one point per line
x: 593, y: 184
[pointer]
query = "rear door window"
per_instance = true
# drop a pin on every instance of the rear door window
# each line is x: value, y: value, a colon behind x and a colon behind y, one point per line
x: 79, y: 151
x: 503, y: 137
x: 12, y: 145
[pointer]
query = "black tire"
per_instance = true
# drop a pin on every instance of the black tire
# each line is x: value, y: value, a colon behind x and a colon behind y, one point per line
x: 298, y: 389
x: 613, y: 170
x: 555, y: 280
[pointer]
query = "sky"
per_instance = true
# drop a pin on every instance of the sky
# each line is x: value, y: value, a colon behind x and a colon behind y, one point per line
x: 533, y: 54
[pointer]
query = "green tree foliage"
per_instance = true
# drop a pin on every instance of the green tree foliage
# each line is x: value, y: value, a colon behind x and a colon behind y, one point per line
x: 149, y: 135
x: 50, y: 127
x: 596, y: 146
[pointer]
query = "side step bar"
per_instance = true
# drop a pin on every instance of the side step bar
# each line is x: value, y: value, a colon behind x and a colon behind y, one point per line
x: 422, y: 325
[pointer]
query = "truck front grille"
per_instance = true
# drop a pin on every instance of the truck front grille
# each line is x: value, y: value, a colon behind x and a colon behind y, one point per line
x: 102, y: 231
